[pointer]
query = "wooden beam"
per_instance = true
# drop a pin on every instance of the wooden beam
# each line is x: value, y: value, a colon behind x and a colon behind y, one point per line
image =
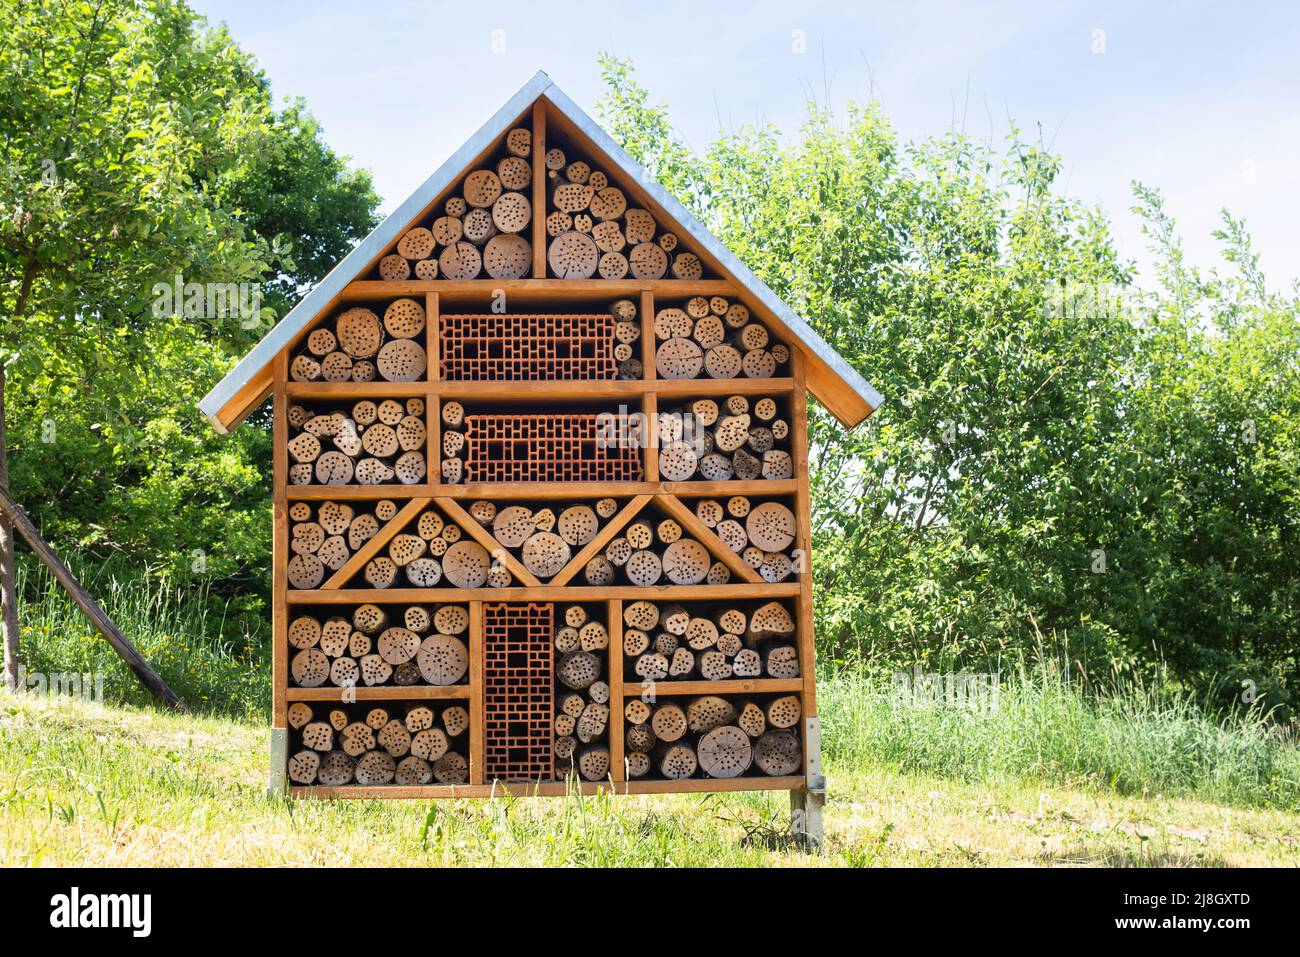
x: 485, y: 538
x: 370, y: 548
x: 565, y: 593
x: 89, y: 607
x: 708, y: 538
x: 603, y: 538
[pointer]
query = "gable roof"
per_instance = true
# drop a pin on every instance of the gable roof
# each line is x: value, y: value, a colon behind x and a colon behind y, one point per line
x: 834, y: 383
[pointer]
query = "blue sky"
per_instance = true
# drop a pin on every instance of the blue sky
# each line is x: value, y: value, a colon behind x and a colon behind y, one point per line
x: 1199, y: 99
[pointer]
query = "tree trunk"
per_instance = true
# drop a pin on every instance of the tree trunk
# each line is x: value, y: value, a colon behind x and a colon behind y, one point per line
x: 8, y: 573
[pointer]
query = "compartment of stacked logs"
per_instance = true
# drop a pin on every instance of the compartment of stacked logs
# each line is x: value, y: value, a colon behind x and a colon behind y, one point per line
x: 719, y: 440
x: 582, y: 692
x: 593, y: 232
x: 545, y: 538
x: 372, y: 744
x: 715, y: 338
x: 429, y: 551
x: 655, y: 549
x: 356, y: 346
x: 481, y: 229
x: 713, y: 736
x: 712, y: 641
x: 581, y: 443
x: 362, y: 443
x: 373, y: 645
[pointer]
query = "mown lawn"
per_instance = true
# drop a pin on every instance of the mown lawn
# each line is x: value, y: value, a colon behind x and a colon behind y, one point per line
x: 87, y: 784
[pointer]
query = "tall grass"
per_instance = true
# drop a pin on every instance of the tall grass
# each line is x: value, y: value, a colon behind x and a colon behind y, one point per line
x: 1129, y: 739
x: 172, y: 625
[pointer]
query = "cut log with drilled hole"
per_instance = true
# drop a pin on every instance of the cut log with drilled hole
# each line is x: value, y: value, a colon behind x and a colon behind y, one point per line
x: 678, y: 762
x: 466, y: 564
x: 771, y: 526
x: 578, y: 670
x: 644, y: 568
x: 593, y: 763
x: 573, y: 255
x: 668, y: 722
x: 782, y: 661
x: 545, y: 554
x: 442, y: 659
x: 708, y: 712
x: 679, y: 358
x: 507, y: 256
x: 725, y: 752
x: 778, y: 753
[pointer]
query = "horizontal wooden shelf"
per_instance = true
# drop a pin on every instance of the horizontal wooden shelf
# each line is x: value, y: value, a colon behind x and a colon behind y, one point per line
x: 540, y: 289
x: 543, y: 490
x: 383, y: 693
x: 729, y: 686
x: 509, y: 390
x: 550, y: 788
x: 567, y: 593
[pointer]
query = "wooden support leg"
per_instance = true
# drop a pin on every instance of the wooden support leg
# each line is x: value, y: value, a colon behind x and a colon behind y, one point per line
x: 275, y: 782
x: 806, y: 803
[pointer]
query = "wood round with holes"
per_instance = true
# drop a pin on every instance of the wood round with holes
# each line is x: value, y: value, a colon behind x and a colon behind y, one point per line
x: 686, y: 562
x: 394, y: 267
x: 679, y: 358
x: 404, y: 319
x: 545, y: 554
x: 725, y: 752
x: 415, y: 243
x: 401, y: 360
x: 511, y: 212
x: 578, y: 670
x: 460, y: 260
x: 507, y: 256
x: 644, y: 568
x: 648, y: 261
x: 466, y: 564
x: 515, y: 173
x: 573, y: 255
x: 442, y: 659
x: 578, y: 525
x: 608, y: 203
x: 512, y: 525
x: 359, y: 333
x: 309, y: 667
x: 778, y: 753
x: 481, y: 188
x: 668, y: 722
x: 451, y: 619
x: 771, y: 526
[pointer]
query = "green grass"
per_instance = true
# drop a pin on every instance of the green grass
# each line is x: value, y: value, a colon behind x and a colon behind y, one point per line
x: 173, y: 625
x: 1054, y: 774
x: 86, y: 784
x: 1129, y: 741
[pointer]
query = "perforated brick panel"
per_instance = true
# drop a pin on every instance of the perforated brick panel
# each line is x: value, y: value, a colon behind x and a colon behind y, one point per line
x: 550, y: 448
x: 518, y: 692
x: 491, y: 347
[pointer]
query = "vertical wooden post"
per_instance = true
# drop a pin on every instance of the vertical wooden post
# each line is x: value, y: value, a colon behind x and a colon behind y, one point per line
x: 539, y: 189
x: 477, y: 751
x: 617, y: 769
x: 806, y: 802
x: 432, y: 397
x: 649, y: 400
x: 280, y: 551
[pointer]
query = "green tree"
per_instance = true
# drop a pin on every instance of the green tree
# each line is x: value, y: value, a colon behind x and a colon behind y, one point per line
x: 1020, y: 478
x: 137, y: 144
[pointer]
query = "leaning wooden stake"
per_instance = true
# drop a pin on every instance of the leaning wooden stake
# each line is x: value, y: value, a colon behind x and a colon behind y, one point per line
x: 103, y: 624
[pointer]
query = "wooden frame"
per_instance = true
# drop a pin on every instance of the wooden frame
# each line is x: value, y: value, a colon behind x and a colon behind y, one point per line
x: 647, y: 396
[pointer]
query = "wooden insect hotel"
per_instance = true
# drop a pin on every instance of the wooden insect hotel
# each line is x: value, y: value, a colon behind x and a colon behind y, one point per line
x: 541, y: 491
